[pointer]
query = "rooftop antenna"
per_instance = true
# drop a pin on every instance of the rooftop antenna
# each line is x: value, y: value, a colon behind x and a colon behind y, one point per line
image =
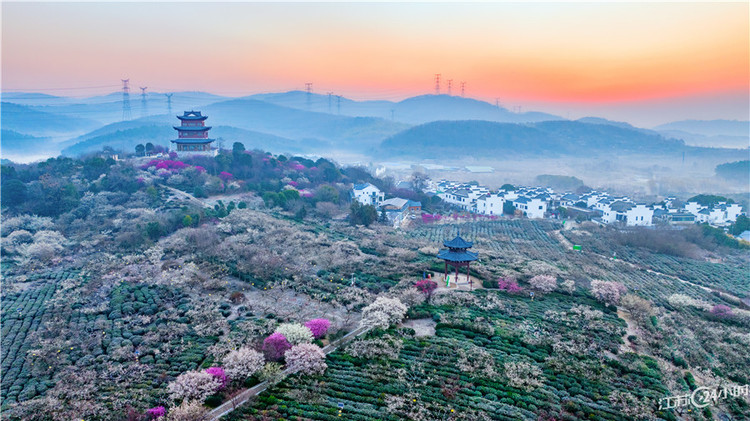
x: 450, y: 82
x: 143, y: 101
x: 330, y: 96
x: 463, y: 88
x: 308, y: 88
x: 437, y: 84
x: 169, y: 103
x: 125, y: 99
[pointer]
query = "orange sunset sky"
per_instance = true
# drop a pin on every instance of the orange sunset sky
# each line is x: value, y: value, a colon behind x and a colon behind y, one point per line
x: 640, y: 62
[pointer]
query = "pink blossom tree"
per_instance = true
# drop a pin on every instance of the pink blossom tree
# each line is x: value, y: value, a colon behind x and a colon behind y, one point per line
x: 608, y: 292
x: 721, y: 311
x: 543, y: 283
x: 225, y: 176
x: 219, y: 374
x: 156, y: 412
x: 509, y: 285
x: 426, y: 287
x: 318, y: 327
x: 275, y: 346
x: 306, y: 359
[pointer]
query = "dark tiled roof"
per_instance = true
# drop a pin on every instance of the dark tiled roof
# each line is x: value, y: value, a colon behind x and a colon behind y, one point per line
x: 621, y: 206
x: 192, y: 141
x: 361, y: 186
x: 458, y: 243
x: 192, y: 128
x: 453, y: 256
x: 192, y: 115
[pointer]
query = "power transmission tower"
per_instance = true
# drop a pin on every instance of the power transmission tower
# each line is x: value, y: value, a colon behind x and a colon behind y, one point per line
x: 330, y: 96
x: 125, y: 99
x: 338, y: 103
x: 463, y: 88
x: 308, y: 88
x: 144, y: 111
x: 392, y: 113
x: 450, y: 83
x: 169, y: 103
x: 497, y: 103
x: 437, y: 84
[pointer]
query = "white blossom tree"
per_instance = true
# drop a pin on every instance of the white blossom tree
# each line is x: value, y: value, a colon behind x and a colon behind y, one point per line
x: 568, y: 286
x: 383, y: 313
x: 243, y: 363
x: 523, y: 375
x: 195, y: 384
x: 295, y: 333
x: 306, y: 359
x: 189, y: 410
x: 543, y: 283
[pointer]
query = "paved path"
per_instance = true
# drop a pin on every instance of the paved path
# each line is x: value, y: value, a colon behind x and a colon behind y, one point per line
x: 246, y: 394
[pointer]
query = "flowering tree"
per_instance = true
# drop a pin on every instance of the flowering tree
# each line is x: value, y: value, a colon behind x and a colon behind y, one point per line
x: 306, y: 359
x: 225, y: 176
x: 219, y: 374
x: 568, y: 286
x: 543, y: 283
x: 189, y: 410
x: 383, y: 313
x: 523, y: 375
x: 195, y: 384
x: 156, y: 412
x: 426, y: 287
x: 721, y: 311
x: 275, y: 346
x: 242, y: 363
x: 318, y: 327
x: 607, y: 291
x: 510, y: 285
x: 640, y: 308
x: 295, y: 333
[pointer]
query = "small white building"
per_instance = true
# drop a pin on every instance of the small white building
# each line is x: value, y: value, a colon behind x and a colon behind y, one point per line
x: 490, y: 204
x: 639, y: 215
x: 367, y: 194
x: 532, y: 208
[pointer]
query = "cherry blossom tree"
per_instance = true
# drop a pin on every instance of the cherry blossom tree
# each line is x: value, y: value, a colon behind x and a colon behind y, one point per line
x: 195, y: 384
x: 275, y: 346
x: 383, y: 313
x: 543, y: 283
x: 608, y: 292
x: 295, y: 333
x: 509, y: 285
x: 219, y: 374
x: 243, y: 363
x: 306, y: 359
x: 318, y: 327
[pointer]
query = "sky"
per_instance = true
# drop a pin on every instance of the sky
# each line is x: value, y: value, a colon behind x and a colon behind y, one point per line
x: 645, y: 63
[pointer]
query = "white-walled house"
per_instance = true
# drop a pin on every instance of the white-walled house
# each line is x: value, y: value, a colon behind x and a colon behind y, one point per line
x: 532, y: 208
x: 367, y: 194
x: 693, y: 207
x: 639, y: 215
x: 490, y: 204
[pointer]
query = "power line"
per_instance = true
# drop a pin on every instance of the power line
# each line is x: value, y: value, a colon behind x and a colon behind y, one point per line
x: 437, y: 84
x: 463, y: 88
x: 169, y: 103
x: 143, y: 101
x: 450, y: 82
x: 329, y: 101
x: 308, y: 88
x: 60, y: 89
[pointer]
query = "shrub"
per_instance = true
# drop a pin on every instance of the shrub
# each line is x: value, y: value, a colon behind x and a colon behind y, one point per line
x: 271, y: 373
x: 306, y: 359
x: 318, y: 327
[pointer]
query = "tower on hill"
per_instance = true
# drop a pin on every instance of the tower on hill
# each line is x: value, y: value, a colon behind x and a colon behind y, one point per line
x: 192, y: 137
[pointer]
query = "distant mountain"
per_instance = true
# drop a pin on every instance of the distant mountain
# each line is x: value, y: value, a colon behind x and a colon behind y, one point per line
x: 33, y: 98
x: 12, y: 141
x: 415, y: 110
x: 551, y: 138
x: 341, y: 131
x: 717, y: 141
x: 599, y: 120
x: 709, y: 127
x: 27, y: 120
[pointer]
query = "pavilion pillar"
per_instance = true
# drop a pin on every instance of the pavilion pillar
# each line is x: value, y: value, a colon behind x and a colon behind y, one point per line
x: 468, y: 275
x: 456, y: 266
x: 445, y: 277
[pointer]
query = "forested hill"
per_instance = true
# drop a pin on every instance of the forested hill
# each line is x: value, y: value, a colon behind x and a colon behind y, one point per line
x: 545, y: 138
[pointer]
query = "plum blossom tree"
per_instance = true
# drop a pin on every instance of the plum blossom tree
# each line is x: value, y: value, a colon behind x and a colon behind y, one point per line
x: 608, y: 292
x: 523, y: 375
x: 509, y: 285
x: 156, y: 412
x: 295, y: 333
x: 568, y: 286
x: 722, y: 311
x: 543, y: 283
x: 426, y: 287
x: 382, y: 313
x: 318, y: 327
x: 219, y: 374
x: 189, y: 410
x: 194, y: 384
x: 275, y: 346
x: 242, y: 363
x: 306, y: 359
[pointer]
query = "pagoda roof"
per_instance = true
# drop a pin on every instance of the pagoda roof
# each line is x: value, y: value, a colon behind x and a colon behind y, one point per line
x: 192, y: 115
x: 192, y: 128
x: 457, y: 256
x: 195, y: 141
x: 458, y: 243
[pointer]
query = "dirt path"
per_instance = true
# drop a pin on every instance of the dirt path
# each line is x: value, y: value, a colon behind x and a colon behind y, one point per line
x: 564, y: 241
x: 185, y: 196
x: 630, y: 330
x: 242, y: 397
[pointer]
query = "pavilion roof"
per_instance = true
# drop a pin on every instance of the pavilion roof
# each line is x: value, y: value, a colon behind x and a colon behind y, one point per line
x: 195, y: 141
x: 192, y: 115
x: 192, y: 128
x: 457, y: 256
x: 458, y: 243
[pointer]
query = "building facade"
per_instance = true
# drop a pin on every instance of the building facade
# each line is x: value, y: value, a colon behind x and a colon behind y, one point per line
x: 192, y: 135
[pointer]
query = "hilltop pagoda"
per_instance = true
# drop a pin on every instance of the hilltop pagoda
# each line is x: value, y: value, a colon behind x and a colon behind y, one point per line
x: 192, y: 135
x: 458, y: 255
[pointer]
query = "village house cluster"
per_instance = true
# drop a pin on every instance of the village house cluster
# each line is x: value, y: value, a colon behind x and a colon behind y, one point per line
x: 543, y: 202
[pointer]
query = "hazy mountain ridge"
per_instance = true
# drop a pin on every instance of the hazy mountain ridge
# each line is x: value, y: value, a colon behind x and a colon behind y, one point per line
x: 27, y: 120
x: 13, y: 141
x: 709, y: 127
